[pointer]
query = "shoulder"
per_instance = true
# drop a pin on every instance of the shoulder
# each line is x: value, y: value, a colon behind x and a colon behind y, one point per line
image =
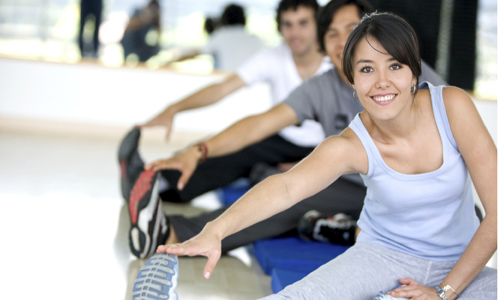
x: 312, y: 88
x: 455, y: 92
x: 348, y: 146
x: 326, y: 79
x: 463, y: 117
x: 457, y: 102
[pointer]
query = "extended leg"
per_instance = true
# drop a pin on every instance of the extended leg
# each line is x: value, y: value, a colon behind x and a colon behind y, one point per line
x: 342, y: 196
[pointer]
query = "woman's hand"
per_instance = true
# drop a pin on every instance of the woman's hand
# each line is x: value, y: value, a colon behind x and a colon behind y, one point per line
x: 206, y: 243
x: 414, y: 291
x: 185, y: 162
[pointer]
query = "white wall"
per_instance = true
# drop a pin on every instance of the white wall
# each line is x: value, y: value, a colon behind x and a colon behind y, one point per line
x: 89, y: 93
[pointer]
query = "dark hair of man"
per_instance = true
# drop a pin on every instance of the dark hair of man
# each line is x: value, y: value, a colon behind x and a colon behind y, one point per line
x: 233, y: 15
x: 286, y: 5
x: 394, y: 34
x: 154, y: 3
x: 325, y: 15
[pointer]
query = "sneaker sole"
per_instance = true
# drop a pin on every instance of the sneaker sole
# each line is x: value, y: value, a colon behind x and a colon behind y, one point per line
x: 144, y: 206
x: 129, y: 144
x: 157, y: 279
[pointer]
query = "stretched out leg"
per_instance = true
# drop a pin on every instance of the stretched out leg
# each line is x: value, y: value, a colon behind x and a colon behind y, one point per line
x: 341, y: 196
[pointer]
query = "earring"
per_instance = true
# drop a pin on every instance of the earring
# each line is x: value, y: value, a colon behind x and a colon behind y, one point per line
x: 354, y: 95
x: 413, y: 88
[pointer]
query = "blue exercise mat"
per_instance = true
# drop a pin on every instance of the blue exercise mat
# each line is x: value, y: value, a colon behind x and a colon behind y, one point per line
x: 281, y: 278
x: 232, y: 192
x: 292, y: 253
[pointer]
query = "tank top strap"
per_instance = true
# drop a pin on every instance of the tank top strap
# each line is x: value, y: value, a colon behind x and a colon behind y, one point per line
x: 359, y: 128
x: 440, y: 110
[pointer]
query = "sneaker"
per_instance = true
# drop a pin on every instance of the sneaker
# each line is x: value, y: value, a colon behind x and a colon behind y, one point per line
x: 149, y: 226
x: 131, y: 164
x: 157, y: 279
x: 339, y: 229
x: 383, y: 296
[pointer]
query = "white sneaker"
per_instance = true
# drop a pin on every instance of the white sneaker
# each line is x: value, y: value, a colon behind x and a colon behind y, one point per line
x: 157, y: 279
x: 384, y: 296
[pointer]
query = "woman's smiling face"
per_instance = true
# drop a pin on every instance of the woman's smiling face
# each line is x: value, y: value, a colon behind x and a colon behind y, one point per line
x: 382, y: 83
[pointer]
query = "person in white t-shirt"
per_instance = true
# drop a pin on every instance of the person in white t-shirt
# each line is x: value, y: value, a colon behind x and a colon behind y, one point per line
x: 230, y: 44
x: 284, y: 68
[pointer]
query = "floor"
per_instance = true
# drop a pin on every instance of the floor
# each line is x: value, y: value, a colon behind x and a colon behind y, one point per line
x: 64, y: 226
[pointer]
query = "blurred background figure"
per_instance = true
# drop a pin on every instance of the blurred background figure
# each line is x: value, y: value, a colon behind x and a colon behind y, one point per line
x: 229, y: 43
x: 210, y: 25
x: 142, y: 34
x: 90, y: 20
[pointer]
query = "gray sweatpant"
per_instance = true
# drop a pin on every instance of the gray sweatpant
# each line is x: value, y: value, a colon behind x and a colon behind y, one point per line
x: 366, y: 269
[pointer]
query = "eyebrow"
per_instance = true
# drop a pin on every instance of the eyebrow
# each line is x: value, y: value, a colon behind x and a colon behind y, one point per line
x: 362, y: 61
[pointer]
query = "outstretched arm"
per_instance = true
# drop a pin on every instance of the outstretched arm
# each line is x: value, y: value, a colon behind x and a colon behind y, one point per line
x: 335, y: 156
x: 204, y: 97
x: 480, y: 155
x: 238, y: 136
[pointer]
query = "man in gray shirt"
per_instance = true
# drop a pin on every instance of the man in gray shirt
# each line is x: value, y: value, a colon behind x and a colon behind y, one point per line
x: 327, y: 99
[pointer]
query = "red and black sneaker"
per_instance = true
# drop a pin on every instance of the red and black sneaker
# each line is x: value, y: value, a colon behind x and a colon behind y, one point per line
x: 131, y: 164
x: 149, y: 226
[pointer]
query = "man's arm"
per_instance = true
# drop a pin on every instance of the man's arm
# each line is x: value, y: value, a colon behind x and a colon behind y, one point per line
x: 238, y: 136
x: 204, y: 97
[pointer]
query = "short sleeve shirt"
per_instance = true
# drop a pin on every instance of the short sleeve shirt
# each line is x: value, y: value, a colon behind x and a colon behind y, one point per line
x: 277, y: 67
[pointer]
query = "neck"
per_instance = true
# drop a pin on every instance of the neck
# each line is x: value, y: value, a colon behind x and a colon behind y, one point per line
x: 308, y: 57
x: 398, y: 127
x: 307, y: 64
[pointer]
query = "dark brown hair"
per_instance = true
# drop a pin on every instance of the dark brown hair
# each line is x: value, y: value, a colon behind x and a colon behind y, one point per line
x: 325, y: 16
x: 285, y: 5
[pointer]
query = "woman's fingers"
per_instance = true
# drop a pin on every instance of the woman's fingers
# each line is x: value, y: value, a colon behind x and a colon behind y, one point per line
x: 407, y: 281
x: 193, y: 249
x: 413, y: 290
x: 213, y: 258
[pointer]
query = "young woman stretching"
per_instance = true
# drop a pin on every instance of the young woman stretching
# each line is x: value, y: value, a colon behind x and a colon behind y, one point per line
x: 417, y: 151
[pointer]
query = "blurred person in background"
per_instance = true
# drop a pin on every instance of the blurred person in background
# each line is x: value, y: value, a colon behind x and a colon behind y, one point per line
x: 142, y: 33
x: 229, y: 43
x: 90, y: 11
x: 210, y: 25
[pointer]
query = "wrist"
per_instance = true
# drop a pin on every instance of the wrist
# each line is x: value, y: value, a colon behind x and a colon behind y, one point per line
x: 203, y: 148
x: 199, y: 151
x: 194, y: 152
x: 446, y: 292
x: 215, y: 229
